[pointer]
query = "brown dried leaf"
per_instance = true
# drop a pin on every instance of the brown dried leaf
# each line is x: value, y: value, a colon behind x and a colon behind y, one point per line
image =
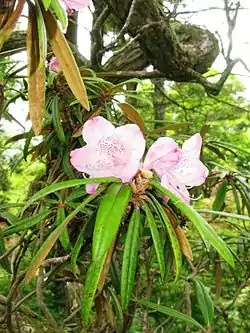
x: 106, y: 266
x: 133, y: 115
x: 204, y: 130
x: 9, y: 26
x: 218, y: 274
x: 167, y: 127
x: 66, y: 59
x: 36, y: 74
x: 184, y: 243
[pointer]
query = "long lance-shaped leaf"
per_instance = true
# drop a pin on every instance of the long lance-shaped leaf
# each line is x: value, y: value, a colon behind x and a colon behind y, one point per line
x: 65, y: 58
x: 204, y: 229
x: 60, y: 13
x: 25, y: 223
x: 172, y: 236
x: 170, y: 312
x: 133, y: 115
x: 50, y: 241
x: 205, y: 302
x: 9, y: 26
x: 56, y: 120
x: 158, y: 245
x: 5, y: 261
x: 36, y: 73
x: 64, y: 237
x: 109, y: 215
x: 42, y: 36
x: 118, y: 311
x: 78, y: 244
x: 236, y: 196
x: 90, y: 287
x: 220, y: 196
x: 67, y: 184
x: 46, y: 4
x: 129, y: 260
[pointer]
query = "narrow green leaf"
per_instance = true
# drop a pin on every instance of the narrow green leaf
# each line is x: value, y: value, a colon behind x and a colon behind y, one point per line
x: 42, y: 35
x: 78, y: 244
x: 236, y: 197
x: 69, y: 183
x: 205, y: 302
x: 220, y: 196
x: 67, y: 167
x: 60, y: 12
x: 11, y: 218
x: 26, y: 223
x: 109, y: 215
x: 170, y: 312
x: 118, y: 311
x: 29, y: 137
x: 129, y: 260
x: 56, y: 119
x: 172, y: 236
x: 158, y: 245
x: 50, y: 241
x: 204, y: 229
x: 115, y: 274
x: 5, y: 261
x: 90, y: 286
x: 234, y: 216
x: 75, y: 194
x: 46, y: 4
x: 64, y: 237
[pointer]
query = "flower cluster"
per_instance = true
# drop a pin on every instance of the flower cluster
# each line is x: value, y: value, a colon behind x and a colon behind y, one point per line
x: 54, y: 65
x: 71, y: 5
x: 117, y: 152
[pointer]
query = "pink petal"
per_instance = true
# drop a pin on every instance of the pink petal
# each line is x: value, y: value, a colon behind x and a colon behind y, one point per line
x: 193, y: 145
x: 163, y: 154
x: 76, y: 4
x: 54, y: 65
x: 190, y: 171
x: 97, y: 128
x: 171, y: 184
x: 132, y: 135
x: 89, y: 161
x: 91, y: 188
x: 127, y: 173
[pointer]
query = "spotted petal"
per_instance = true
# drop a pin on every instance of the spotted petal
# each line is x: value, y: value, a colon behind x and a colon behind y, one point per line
x: 162, y: 155
x: 132, y: 134
x: 192, y: 146
x: 97, y: 128
x: 91, y: 188
x: 174, y: 186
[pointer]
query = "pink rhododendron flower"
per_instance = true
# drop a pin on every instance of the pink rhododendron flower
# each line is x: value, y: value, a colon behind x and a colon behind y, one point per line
x: 178, y: 169
x: 75, y: 4
x: 110, y: 151
x: 54, y: 65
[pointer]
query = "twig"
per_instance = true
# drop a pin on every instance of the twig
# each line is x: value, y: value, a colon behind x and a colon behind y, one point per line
x: 97, y: 37
x: 241, y: 286
x: 125, y: 27
x: 72, y: 315
x: 39, y: 289
x: 60, y: 260
x: 7, y: 253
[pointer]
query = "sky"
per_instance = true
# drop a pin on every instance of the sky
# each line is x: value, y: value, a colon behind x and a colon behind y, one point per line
x: 214, y: 20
